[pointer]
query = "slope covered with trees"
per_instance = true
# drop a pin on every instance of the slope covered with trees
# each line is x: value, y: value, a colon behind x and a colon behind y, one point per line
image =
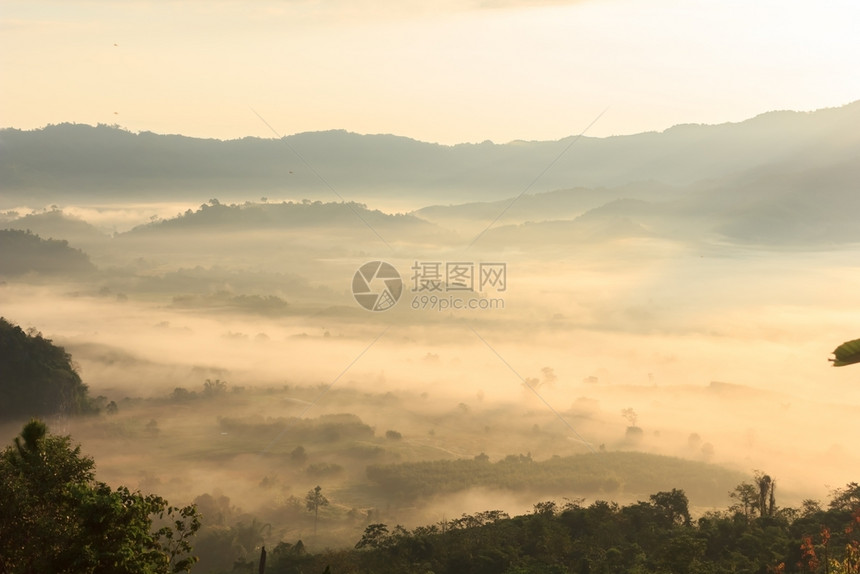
x: 55, y: 517
x: 653, y: 536
x: 602, y: 474
x: 24, y: 252
x: 37, y: 377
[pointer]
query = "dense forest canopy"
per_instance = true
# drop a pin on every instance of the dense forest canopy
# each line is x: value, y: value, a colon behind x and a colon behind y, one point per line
x: 37, y: 377
x: 55, y: 517
x: 653, y: 536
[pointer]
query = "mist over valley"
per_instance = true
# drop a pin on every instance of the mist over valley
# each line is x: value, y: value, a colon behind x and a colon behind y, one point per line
x: 668, y: 305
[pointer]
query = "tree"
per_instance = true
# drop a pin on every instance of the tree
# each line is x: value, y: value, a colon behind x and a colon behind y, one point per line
x: 214, y: 388
x: 846, y: 499
x: 766, y: 500
x: 313, y: 500
x: 251, y: 536
x: 674, y: 506
x: 747, y: 499
x: 375, y: 536
x: 633, y: 432
x: 545, y: 508
x: 630, y: 415
x: 55, y: 517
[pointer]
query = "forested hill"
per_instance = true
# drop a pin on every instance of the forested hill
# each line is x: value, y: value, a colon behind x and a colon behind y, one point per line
x: 61, y: 160
x: 215, y: 215
x: 613, y: 474
x: 656, y: 535
x: 23, y: 252
x: 37, y: 377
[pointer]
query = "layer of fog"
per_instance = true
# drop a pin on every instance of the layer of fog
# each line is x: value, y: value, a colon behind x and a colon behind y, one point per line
x: 644, y: 333
x: 720, y: 351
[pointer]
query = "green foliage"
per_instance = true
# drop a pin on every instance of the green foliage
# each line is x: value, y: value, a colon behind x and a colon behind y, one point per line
x: 37, y: 377
x: 847, y: 498
x: 847, y: 353
x: 746, y: 496
x: 756, y: 498
x: 655, y: 537
x: 673, y: 506
x: 375, y: 536
x: 54, y: 516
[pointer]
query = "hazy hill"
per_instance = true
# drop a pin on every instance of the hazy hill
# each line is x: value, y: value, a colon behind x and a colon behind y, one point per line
x: 557, y: 204
x: 55, y: 224
x: 553, y: 235
x: 69, y: 160
x: 286, y: 215
x: 790, y: 203
x: 23, y: 252
x: 601, y: 474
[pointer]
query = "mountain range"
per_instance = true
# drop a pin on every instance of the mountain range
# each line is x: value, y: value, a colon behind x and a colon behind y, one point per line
x: 781, y: 178
x: 66, y: 161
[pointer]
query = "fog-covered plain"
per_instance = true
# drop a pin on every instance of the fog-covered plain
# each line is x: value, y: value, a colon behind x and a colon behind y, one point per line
x: 689, y: 320
x: 719, y: 350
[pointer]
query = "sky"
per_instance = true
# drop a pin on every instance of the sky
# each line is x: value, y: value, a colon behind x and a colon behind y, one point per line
x: 447, y: 72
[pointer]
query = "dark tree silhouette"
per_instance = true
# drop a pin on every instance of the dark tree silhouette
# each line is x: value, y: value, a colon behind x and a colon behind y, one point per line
x: 766, y: 499
x: 55, y: 517
x: 37, y: 377
x: 314, y: 499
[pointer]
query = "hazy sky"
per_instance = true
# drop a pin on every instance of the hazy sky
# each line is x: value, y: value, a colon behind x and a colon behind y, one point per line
x: 442, y: 71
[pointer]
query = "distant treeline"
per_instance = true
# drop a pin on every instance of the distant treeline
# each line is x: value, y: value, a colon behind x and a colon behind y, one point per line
x: 251, y: 216
x: 604, y: 473
x: 325, y: 428
x: 268, y: 305
x: 655, y: 536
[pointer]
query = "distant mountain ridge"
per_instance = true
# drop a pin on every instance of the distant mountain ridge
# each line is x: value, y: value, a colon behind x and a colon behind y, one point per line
x: 70, y: 161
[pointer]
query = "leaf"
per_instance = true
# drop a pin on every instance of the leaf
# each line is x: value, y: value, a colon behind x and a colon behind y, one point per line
x: 847, y: 353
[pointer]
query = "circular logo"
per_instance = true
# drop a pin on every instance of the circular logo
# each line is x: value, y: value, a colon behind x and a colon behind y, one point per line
x: 377, y: 286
